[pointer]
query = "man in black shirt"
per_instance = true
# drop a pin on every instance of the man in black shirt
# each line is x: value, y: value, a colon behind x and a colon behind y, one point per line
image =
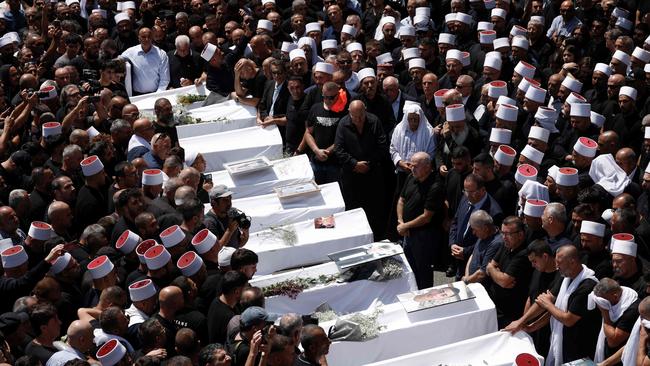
x: 322, y: 123
x: 295, y: 129
x: 218, y: 75
x: 184, y: 63
x: 510, y: 272
x: 92, y: 203
x: 420, y: 212
x: 315, y: 344
x: 219, y: 223
x: 223, y: 308
x: 594, y: 250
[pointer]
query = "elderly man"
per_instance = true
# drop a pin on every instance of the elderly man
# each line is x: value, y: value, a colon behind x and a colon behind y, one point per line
x: 79, y: 343
x: 161, y: 145
x: 395, y: 96
x: 510, y: 272
x: 627, y: 267
x: 315, y: 344
x: 554, y: 221
x: 184, y: 63
x: 564, y: 24
x: 594, y: 251
x: 150, y: 65
x: 488, y: 242
x: 419, y: 211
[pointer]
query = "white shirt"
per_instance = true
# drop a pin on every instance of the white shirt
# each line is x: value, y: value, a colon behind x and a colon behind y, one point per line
x: 150, y: 70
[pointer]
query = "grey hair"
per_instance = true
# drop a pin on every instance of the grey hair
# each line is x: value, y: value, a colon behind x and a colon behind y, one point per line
x: 92, y: 230
x: 422, y: 156
x: 67, y: 90
x: 480, y: 218
x: 71, y: 149
x: 181, y: 14
x: 21, y: 304
x: 296, y: 3
x: 119, y: 124
x: 182, y: 40
x: 646, y: 120
x: 16, y: 196
x: 606, y: 286
x: 172, y: 184
x: 557, y: 211
x: 390, y: 80
x: 289, y: 323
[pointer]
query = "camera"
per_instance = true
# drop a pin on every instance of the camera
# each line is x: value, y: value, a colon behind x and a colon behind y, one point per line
x: 89, y: 75
x: 239, y: 216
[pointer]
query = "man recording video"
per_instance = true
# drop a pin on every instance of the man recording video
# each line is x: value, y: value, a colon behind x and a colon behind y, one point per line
x: 229, y: 224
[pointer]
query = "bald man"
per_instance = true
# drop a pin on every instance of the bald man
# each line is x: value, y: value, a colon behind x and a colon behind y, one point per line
x: 359, y: 146
x: 395, y: 96
x: 608, y: 143
x: 140, y: 142
x: 171, y: 301
x: 60, y: 217
x: 564, y: 24
x: 80, y: 342
x: 130, y: 113
x: 149, y: 65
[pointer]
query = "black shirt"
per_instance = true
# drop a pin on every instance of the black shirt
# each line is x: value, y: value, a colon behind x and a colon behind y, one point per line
x: 419, y: 196
x: 218, y: 227
x: 220, y: 80
x: 188, y: 67
x: 624, y: 323
x: 91, y: 206
x: 295, y: 128
x: 43, y: 353
x: 324, y: 123
x: 219, y: 315
x: 170, y: 328
x: 369, y: 145
x: 510, y: 301
x: 599, y: 262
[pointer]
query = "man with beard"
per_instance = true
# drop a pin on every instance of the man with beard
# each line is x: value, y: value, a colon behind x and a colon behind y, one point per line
x: 627, y: 124
x: 89, y: 59
x: 125, y: 37
x: 375, y: 102
x: 92, y: 202
x: 165, y: 122
x: 597, y: 96
x: 456, y: 132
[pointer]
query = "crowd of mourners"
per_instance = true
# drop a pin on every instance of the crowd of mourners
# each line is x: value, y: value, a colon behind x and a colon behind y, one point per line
x: 503, y: 142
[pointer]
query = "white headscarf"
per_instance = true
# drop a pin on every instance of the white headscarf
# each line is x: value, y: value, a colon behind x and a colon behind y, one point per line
x: 379, y: 34
x: 190, y: 157
x: 403, y: 144
x: 314, y: 50
x: 628, y: 297
x: 606, y: 173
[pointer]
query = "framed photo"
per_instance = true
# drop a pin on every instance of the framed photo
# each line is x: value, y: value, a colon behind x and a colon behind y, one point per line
x: 364, y: 254
x: 247, y: 166
x: 435, y: 296
x: 295, y: 190
x: 325, y: 222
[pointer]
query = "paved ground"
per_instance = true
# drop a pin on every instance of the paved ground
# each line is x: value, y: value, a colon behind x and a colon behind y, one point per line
x: 439, y: 278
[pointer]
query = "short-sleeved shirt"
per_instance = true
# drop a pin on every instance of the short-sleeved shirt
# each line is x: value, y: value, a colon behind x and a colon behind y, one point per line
x: 514, y: 263
x: 324, y: 123
x: 419, y: 196
x: 580, y: 340
x: 624, y: 323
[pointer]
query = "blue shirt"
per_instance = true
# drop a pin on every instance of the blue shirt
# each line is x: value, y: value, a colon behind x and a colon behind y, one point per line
x: 563, y: 29
x: 484, y: 251
x: 149, y: 70
x: 61, y: 357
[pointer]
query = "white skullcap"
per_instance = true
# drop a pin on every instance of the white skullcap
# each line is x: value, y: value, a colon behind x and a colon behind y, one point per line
x: 447, y: 38
x: 349, y: 29
x: 127, y: 241
x: 189, y: 264
x: 620, y: 13
x: 641, y: 54
x: 417, y: 63
x: 354, y: 46
x: 454, y: 55
x: 536, y: 94
x: 60, y: 264
x: 464, y: 18
x: 40, y: 230
x: 14, y: 256
x: 597, y: 119
x: 525, y: 69
x: 525, y: 172
x: 120, y: 17
x: 593, y: 228
x: 152, y: 177
x: 580, y: 110
x: 368, y: 72
x: 483, y: 26
x: 586, y: 147
x: 142, y: 290
x: 567, y: 177
x: 172, y: 236
x: 487, y: 36
x: 506, y: 100
x: 501, y: 136
x: 329, y: 43
x: 628, y: 92
x: 622, y: 56
x: 297, y: 53
x: 535, y: 208
x: 91, y: 166
x: 208, y: 52
x: 437, y: 96
x: 604, y: 68
x: 539, y: 133
x: 312, y: 27
x: 407, y: 30
x: 505, y: 155
x: 493, y: 60
x: 575, y: 98
x: 500, y: 43
x: 455, y: 113
x: 498, y: 12
x: 518, y: 30
x: 532, y: 154
x: 324, y: 67
x: 288, y: 47
x: 384, y: 58
x: 497, y: 88
x: 203, y: 241
x: 623, y: 243
x: 111, y: 353
x: 224, y: 256
x: 507, y: 112
x: 572, y: 84
x: 624, y: 23
x: 157, y: 257
x: 409, y: 53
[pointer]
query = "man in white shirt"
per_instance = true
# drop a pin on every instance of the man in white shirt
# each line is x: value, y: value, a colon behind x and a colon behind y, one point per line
x: 149, y: 65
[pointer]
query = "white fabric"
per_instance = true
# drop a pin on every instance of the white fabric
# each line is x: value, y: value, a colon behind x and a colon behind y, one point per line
x: 137, y: 141
x: 628, y: 296
x: 606, y: 173
x: 146, y: 102
x: 312, y: 245
x: 284, y: 172
x: 336, y: 294
x: 561, y: 302
x: 221, y: 117
x: 632, y: 345
x: 242, y: 144
x: 135, y: 316
x: 268, y: 210
x: 494, y: 349
x: 404, y: 142
x: 406, y: 335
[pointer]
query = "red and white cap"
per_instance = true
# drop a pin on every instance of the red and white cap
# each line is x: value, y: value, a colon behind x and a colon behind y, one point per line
x: 483, y: 26
x: 189, y: 263
x: 367, y: 72
x: 505, y: 155
x: 157, y: 257
x: 629, y: 92
x: 487, y: 36
x: 142, y: 290
x: 466, y: 58
x: 575, y: 98
x: 493, y: 60
x: 127, y: 241
x: 100, y: 267
x: 525, y: 69
x: 526, y: 82
x: 498, y: 12
x: 597, y: 119
x: 455, y: 113
x: 580, y: 110
x: 525, y: 172
x: 507, y: 112
x: 532, y: 154
x: 520, y: 42
x: 518, y: 30
x: 111, y: 353
x: 60, y: 264
x: 203, y: 241
x: 208, y: 52
x: 500, y: 136
x: 572, y: 84
x: 534, y: 208
x: 603, y: 68
x: 152, y: 177
x: 536, y: 94
x: 172, y: 236
x: 120, y: 17
x: 525, y: 359
x: 497, y: 88
x: 409, y: 53
x: 503, y: 42
x: 437, y: 96
x: 50, y: 90
x: 592, y: 228
x: 641, y: 54
x: 40, y: 230
x: 623, y: 243
x: 539, y: 133
x: 447, y: 38
x: 14, y: 256
x: 567, y: 177
x: 51, y: 129
x: 384, y: 59
x: 622, y: 56
x: 142, y: 248
x: 586, y: 147
x: 91, y: 166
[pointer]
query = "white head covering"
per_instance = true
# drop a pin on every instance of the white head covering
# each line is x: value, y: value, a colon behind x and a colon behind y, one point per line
x: 312, y: 44
x: 423, y: 134
x: 607, y: 174
x: 546, y: 117
x: 354, y: 46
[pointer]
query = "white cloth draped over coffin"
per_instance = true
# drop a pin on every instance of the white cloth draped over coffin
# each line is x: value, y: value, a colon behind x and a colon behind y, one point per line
x: 221, y: 117
x: 269, y: 211
x: 344, y: 298
x: 284, y: 172
x: 433, y: 327
x: 312, y: 245
x: 494, y: 349
x: 145, y: 102
x: 242, y: 144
